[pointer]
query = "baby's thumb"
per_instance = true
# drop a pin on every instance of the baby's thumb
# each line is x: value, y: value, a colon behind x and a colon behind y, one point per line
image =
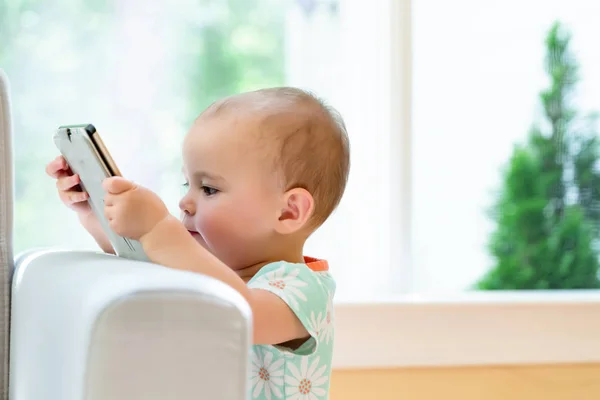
x: 117, y: 185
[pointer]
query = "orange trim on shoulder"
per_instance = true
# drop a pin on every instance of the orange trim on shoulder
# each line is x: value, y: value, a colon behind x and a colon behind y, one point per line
x: 316, y: 265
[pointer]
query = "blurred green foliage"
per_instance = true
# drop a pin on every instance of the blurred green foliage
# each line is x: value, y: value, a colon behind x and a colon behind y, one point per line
x: 548, y: 213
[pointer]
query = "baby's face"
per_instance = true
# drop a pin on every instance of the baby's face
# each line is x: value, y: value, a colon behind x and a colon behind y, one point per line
x: 233, y: 196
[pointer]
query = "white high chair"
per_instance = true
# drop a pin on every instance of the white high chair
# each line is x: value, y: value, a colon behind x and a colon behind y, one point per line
x: 92, y: 326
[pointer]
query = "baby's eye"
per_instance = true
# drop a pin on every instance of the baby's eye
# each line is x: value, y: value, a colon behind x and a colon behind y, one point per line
x: 208, y: 191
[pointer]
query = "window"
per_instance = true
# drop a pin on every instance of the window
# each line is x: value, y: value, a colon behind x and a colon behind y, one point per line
x: 478, y: 71
x: 435, y: 95
x: 142, y: 70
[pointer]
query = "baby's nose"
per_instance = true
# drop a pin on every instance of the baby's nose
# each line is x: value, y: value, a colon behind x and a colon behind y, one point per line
x: 187, y: 206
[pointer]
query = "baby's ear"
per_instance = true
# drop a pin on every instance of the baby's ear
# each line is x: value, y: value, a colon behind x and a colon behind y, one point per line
x: 297, y: 208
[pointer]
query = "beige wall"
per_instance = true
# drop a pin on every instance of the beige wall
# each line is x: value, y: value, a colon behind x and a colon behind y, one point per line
x: 572, y: 382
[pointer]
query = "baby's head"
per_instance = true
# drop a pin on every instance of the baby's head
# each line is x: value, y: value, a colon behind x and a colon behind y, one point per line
x: 264, y: 169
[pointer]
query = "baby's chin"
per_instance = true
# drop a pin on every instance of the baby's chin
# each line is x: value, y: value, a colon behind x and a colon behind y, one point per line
x: 200, y: 240
x: 229, y: 259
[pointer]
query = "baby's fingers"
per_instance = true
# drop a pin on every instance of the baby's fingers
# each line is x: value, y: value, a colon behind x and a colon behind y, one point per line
x: 57, y: 166
x: 72, y: 197
x: 65, y: 182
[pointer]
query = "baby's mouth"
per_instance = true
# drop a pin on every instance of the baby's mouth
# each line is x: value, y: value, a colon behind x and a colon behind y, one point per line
x: 198, y: 237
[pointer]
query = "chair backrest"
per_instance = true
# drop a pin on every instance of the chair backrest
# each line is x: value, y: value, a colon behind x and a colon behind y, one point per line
x: 117, y: 329
x: 6, y: 227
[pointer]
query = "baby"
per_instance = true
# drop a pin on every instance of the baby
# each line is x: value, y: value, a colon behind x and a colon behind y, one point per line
x: 263, y: 170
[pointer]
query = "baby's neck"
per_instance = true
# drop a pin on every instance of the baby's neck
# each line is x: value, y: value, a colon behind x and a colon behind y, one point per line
x: 295, y: 256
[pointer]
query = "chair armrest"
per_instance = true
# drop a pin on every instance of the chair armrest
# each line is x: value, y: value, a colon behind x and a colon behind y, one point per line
x: 96, y: 326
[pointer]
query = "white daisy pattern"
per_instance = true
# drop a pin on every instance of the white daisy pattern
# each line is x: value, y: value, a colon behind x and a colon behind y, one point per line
x: 316, y: 324
x: 327, y: 329
x: 266, y: 375
x: 305, y: 384
x: 286, y: 283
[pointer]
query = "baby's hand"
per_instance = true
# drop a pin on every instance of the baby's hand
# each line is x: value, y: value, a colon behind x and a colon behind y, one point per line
x: 67, y: 184
x: 132, y: 211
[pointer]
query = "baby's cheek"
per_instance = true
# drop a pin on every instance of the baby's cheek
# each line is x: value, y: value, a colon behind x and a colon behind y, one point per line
x: 216, y: 228
x: 226, y: 241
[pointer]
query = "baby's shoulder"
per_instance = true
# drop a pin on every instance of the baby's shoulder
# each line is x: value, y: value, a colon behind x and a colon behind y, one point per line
x: 307, y: 288
x: 312, y: 275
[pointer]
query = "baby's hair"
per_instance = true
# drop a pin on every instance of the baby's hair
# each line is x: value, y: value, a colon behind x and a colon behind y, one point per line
x: 313, y: 149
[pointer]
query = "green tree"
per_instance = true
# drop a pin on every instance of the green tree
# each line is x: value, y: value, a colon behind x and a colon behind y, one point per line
x: 548, y: 212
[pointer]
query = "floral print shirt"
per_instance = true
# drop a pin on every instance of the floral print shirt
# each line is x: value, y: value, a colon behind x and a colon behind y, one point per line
x: 303, y: 373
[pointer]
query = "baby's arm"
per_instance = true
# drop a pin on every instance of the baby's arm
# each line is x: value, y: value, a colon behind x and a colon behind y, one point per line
x: 171, y: 245
x: 138, y: 213
x: 91, y: 224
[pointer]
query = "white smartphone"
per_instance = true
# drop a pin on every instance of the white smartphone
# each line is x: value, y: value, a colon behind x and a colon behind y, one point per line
x: 87, y: 156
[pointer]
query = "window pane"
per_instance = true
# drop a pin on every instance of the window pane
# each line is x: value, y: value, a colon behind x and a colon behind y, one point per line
x: 140, y: 71
x: 478, y: 73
